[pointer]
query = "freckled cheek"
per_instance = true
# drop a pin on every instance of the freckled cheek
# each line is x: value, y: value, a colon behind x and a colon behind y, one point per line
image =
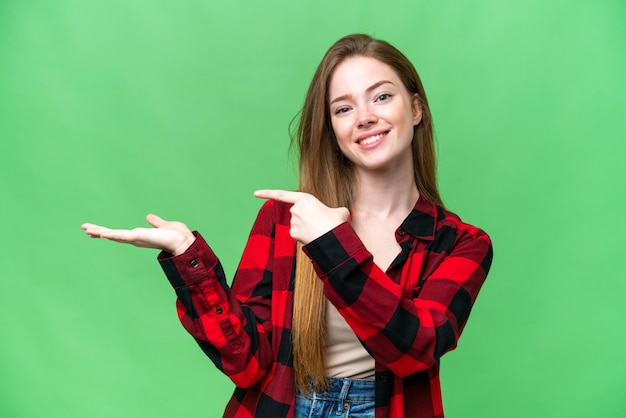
x: 342, y: 133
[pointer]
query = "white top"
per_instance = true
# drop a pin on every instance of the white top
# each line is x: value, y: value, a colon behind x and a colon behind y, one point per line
x: 345, y: 355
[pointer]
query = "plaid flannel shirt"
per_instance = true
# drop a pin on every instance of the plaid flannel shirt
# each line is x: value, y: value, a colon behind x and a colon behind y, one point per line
x: 406, y: 317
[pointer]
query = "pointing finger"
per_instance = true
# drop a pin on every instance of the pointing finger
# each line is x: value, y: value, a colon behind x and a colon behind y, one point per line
x: 92, y: 230
x: 280, y: 195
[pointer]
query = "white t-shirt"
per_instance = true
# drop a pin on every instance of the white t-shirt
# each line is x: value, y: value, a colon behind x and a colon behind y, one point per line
x: 345, y: 355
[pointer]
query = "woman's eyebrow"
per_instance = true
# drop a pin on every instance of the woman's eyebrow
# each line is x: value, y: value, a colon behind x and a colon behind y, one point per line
x: 367, y: 90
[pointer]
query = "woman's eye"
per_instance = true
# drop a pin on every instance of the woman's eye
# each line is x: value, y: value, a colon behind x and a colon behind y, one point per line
x: 383, y: 97
x: 341, y: 110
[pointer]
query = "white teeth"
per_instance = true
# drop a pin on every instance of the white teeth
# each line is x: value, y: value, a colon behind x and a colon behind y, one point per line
x: 371, y: 139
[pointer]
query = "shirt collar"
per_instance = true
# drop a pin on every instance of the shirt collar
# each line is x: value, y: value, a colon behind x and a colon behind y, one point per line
x: 422, y: 221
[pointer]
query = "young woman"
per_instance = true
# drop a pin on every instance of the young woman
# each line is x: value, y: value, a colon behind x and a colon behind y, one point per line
x: 351, y: 289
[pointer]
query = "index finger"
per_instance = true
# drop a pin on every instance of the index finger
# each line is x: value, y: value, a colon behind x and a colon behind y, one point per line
x: 280, y: 195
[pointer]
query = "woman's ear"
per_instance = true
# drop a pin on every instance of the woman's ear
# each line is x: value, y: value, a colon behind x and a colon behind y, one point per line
x: 417, y: 110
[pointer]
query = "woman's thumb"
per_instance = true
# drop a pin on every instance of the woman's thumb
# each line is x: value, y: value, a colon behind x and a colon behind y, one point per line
x: 154, y: 220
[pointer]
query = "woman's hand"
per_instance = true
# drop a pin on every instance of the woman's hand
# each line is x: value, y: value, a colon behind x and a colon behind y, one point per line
x: 310, y: 218
x: 173, y: 237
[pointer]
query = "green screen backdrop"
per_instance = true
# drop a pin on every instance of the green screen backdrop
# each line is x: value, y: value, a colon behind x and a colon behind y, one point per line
x: 111, y: 110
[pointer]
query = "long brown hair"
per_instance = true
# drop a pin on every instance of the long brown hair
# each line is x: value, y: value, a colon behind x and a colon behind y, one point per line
x: 328, y: 175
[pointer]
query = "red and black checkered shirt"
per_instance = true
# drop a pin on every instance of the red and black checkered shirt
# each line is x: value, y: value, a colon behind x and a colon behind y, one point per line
x: 406, y: 317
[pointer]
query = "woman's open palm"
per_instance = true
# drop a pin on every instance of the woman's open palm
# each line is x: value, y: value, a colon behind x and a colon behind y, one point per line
x: 171, y: 236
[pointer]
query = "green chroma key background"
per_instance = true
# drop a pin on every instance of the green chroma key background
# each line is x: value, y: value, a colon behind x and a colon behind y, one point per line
x: 111, y: 110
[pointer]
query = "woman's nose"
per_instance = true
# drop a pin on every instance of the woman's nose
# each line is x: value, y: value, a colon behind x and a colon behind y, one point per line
x: 366, y: 118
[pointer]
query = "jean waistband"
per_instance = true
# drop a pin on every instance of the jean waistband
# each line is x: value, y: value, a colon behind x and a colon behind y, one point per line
x: 347, y: 389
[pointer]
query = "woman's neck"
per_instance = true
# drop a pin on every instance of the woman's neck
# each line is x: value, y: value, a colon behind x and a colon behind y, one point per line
x: 385, y: 195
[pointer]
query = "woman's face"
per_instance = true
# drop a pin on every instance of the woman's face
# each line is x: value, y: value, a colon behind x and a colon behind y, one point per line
x: 372, y: 114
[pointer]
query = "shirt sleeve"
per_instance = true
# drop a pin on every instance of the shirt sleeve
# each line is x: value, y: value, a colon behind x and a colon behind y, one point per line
x: 231, y: 326
x: 406, y: 330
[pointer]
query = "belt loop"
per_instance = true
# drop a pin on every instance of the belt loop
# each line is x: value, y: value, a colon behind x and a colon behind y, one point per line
x: 343, y: 395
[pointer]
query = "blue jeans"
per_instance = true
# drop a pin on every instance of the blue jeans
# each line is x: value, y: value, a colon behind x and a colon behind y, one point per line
x: 345, y: 398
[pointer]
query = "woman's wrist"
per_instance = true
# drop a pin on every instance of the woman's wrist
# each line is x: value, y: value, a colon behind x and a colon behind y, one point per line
x: 188, y: 240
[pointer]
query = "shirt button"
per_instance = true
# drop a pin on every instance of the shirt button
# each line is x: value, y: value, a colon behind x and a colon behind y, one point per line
x: 219, y: 310
x: 401, y: 233
x: 193, y: 263
x: 346, y: 405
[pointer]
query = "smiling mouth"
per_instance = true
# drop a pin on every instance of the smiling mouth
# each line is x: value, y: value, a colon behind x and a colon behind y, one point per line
x: 371, y: 139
